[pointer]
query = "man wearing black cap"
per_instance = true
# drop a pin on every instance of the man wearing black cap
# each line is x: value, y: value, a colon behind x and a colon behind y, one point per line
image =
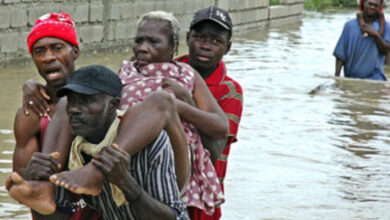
x: 142, y: 188
x: 209, y: 39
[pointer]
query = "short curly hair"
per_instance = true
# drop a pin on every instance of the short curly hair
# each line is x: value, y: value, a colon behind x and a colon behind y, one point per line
x: 172, y: 21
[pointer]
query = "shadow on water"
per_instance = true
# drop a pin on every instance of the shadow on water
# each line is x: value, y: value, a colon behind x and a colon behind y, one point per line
x: 299, y: 156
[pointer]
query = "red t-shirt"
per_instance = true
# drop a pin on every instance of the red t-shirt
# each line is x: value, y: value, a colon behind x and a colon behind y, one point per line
x: 228, y: 94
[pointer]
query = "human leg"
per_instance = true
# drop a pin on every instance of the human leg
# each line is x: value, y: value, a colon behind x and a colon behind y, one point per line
x: 139, y: 127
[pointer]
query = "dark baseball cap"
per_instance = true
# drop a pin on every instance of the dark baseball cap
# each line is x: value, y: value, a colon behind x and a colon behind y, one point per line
x: 215, y: 14
x: 92, y: 80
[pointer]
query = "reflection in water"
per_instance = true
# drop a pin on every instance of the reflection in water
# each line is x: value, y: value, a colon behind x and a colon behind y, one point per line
x: 361, y: 116
x: 364, y: 119
x: 303, y: 156
x: 299, y: 156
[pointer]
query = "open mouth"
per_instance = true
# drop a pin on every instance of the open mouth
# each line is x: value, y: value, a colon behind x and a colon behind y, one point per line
x: 53, y: 74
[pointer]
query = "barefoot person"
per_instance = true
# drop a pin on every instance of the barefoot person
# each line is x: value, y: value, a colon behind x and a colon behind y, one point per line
x: 53, y: 46
x: 152, y: 69
x: 147, y: 178
x: 363, y: 57
x: 157, y: 41
x: 209, y: 39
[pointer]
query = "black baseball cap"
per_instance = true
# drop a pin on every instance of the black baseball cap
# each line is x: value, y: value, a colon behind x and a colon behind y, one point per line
x: 92, y: 80
x: 215, y: 14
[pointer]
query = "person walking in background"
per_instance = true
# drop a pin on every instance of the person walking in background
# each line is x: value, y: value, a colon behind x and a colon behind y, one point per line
x: 363, y: 57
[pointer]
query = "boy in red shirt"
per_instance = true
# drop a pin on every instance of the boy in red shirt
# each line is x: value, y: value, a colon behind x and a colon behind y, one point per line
x: 209, y: 39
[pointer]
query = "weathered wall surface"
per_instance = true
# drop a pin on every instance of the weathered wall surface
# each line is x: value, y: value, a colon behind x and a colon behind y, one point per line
x: 290, y: 11
x: 254, y: 14
x: 110, y: 24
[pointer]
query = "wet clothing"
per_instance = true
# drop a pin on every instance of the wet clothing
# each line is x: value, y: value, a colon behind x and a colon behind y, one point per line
x: 229, y: 96
x: 361, y: 56
x: 77, y: 207
x: 203, y: 190
x: 153, y: 169
x: 81, y: 145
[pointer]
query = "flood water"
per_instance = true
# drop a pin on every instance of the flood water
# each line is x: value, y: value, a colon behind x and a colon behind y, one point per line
x: 299, y: 156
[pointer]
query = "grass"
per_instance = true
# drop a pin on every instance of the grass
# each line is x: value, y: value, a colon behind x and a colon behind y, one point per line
x: 321, y: 5
x: 274, y: 2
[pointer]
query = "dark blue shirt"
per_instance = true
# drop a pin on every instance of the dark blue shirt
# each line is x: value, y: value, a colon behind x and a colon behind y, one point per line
x: 361, y: 56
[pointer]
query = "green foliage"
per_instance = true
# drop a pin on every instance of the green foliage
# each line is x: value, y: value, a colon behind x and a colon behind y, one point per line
x: 320, y: 5
x: 274, y: 2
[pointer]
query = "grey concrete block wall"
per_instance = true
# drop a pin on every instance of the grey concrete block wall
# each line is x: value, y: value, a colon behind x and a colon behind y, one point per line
x: 290, y: 11
x: 9, y: 42
x: 110, y: 25
x: 254, y: 14
x: 96, y: 12
x: 278, y: 11
x: 5, y: 17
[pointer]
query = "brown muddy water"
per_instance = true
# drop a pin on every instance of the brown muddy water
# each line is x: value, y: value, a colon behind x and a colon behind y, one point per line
x: 299, y: 156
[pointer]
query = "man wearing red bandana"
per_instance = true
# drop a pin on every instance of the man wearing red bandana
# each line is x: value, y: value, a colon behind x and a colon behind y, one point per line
x: 54, y: 49
x: 208, y: 41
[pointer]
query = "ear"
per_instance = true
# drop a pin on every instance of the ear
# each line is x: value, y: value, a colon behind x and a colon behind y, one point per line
x: 76, y: 52
x: 229, y: 45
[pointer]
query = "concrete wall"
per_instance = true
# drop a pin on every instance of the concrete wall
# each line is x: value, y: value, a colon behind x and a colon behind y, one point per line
x: 290, y: 11
x: 254, y: 14
x: 247, y: 14
x: 109, y: 24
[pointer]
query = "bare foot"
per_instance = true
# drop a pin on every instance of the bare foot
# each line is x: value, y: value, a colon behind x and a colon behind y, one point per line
x: 86, y: 180
x: 8, y: 183
x: 38, y: 195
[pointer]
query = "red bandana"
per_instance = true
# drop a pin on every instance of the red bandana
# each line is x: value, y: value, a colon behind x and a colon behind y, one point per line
x: 58, y: 25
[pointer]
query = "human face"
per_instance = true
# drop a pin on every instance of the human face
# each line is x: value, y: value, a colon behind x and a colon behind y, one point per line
x: 207, y: 43
x: 90, y: 116
x: 152, y: 43
x: 54, y: 59
x: 371, y: 7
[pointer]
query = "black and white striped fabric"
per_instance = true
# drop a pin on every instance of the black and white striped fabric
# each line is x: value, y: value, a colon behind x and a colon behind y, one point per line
x: 154, y: 170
